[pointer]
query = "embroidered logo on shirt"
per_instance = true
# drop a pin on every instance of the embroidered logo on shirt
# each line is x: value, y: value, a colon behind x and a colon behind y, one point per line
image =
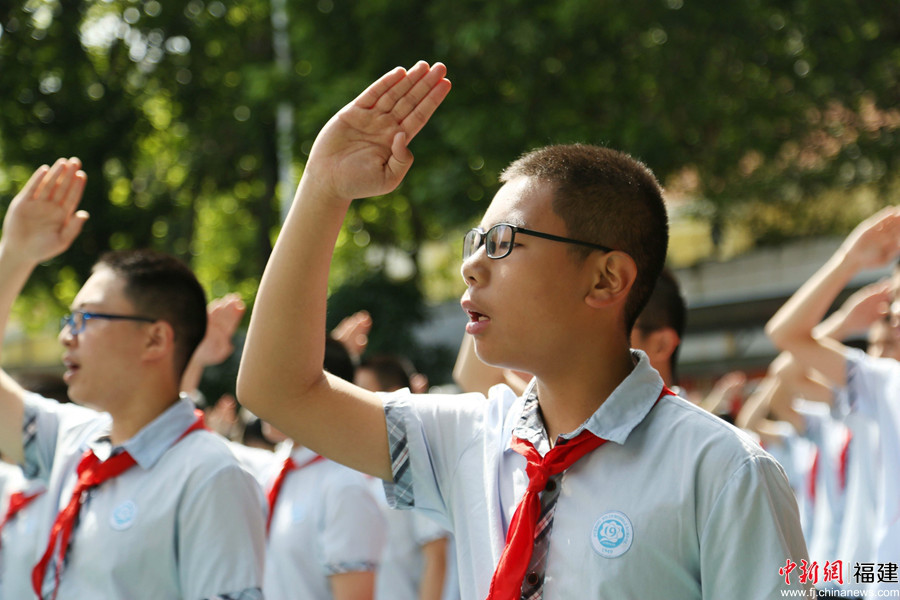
x: 612, y: 535
x: 123, y: 516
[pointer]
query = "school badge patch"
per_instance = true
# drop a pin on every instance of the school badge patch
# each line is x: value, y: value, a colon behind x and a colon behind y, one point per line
x: 612, y: 535
x: 123, y: 516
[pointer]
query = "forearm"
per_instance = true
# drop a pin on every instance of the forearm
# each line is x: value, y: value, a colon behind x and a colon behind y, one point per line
x: 833, y: 327
x: 14, y: 272
x: 434, y: 570
x: 756, y: 408
x: 355, y: 585
x: 795, y: 321
x: 190, y: 379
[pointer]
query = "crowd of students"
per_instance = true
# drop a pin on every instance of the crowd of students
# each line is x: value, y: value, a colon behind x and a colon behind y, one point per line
x: 568, y: 468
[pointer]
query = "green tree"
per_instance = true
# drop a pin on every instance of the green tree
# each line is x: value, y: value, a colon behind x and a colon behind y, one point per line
x: 760, y: 111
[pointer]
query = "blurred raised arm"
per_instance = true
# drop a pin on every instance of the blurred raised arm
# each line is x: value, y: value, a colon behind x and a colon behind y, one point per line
x: 873, y: 243
x: 40, y: 223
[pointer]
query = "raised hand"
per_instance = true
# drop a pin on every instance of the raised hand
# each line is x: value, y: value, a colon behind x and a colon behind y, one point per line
x: 362, y: 151
x: 875, y: 241
x: 353, y: 332
x: 42, y: 220
x: 867, y: 305
x: 223, y: 317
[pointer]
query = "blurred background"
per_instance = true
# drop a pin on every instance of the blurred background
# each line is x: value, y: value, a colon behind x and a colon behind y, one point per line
x: 773, y: 125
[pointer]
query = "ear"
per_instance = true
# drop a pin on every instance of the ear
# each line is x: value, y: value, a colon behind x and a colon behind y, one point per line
x: 613, y: 275
x: 663, y: 342
x: 160, y: 341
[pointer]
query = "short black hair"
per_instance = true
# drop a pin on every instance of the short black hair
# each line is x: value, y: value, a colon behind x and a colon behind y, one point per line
x: 338, y: 360
x: 164, y: 288
x: 392, y: 372
x: 665, y: 308
x: 608, y: 198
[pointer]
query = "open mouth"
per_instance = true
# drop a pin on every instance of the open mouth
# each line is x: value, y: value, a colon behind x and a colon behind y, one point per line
x: 475, y: 317
x: 71, y: 366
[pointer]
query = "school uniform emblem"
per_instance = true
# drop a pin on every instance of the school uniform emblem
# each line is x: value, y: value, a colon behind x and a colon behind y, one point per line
x: 612, y: 535
x: 123, y: 516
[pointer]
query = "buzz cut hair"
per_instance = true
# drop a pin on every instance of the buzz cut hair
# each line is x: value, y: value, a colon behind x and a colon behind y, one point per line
x: 605, y: 197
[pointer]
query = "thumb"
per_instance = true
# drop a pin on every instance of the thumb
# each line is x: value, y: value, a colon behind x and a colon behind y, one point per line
x: 73, y: 226
x: 401, y: 158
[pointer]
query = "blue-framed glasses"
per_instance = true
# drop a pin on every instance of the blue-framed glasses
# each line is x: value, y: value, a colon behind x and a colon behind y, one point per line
x: 77, y: 320
x: 500, y: 239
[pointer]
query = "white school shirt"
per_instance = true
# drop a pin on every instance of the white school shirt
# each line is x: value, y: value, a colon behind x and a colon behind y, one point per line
x: 678, y: 504
x: 830, y: 437
x: 326, y: 522
x: 18, y: 544
x: 795, y: 454
x: 399, y: 575
x: 873, y: 387
x: 857, y: 542
x: 183, y: 523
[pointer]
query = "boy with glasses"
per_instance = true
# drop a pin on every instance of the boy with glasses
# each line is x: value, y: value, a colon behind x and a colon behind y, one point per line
x: 142, y: 501
x: 596, y: 482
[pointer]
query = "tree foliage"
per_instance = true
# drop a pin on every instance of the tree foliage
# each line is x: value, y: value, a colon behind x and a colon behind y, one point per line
x: 172, y: 107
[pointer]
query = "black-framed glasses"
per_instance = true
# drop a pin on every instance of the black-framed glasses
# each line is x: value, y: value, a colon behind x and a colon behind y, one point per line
x: 77, y: 319
x: 500, y: 239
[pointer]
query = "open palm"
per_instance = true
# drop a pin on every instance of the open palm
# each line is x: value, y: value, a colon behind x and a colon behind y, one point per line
x: 42, y: 220
x: 362, y: 151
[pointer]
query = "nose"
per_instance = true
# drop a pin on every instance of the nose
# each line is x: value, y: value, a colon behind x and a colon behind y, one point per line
x: 473, y: 269
x: 65, y: 336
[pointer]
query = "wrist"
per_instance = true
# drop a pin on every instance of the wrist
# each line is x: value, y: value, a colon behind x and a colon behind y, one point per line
x: 844, y: 265
x: 12, y: 256
x: 318, y: 187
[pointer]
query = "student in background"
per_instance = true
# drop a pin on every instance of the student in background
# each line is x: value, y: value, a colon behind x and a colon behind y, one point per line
x: 139, y: 493
x: 416, y: 563
x: 871, y: 382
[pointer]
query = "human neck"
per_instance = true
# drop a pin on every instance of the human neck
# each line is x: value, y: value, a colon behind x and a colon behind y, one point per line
x: 568, y: 398
x: 665, y: 371
x: 131, y: 416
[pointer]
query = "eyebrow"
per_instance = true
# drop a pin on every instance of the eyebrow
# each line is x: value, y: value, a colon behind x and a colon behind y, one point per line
x: 515, y: 221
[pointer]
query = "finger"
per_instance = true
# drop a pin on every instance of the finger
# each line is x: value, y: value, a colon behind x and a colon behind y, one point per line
x: 48, y: 186
x: 371, y: 95
x: 394, y: 98
x: 411, y: 98
x: 417, y: 119
x: 73, y: 226
x: 72, y: 196
x: 34, y: 181
x: 71, y: 169
x: 401, y: 158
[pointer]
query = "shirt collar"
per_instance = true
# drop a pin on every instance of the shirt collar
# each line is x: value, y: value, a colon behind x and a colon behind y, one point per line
x: 616, y: 418
x: 300, y: 454
x: 151, y: 442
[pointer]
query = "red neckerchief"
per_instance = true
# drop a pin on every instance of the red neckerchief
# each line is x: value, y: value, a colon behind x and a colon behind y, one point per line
x: 286, y: 467
x: 91, y: 473
x: 506, y: 583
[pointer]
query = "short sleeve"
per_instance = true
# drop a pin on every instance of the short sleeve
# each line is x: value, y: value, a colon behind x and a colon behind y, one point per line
x: 221, y: 536
x: 428, y: 434
x: 353, y: 532
x: 751, y: 534
x: 48, y: 424
x: 867, y: 381
x: 426, y: 530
